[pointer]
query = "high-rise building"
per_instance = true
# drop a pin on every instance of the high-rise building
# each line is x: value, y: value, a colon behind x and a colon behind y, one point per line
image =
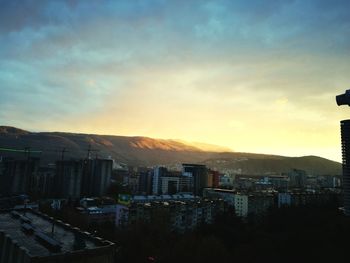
x: 344, y: 99
x: 46, y: 181
x: 96, y: 176
x: 345, y: 138
x: 68, y: 179
x: 77, y: 178
x: 145, y: 182
x: 185, y: 184
x: 158, y: 172
x: 215, y: 178
x: 297, y: 178
x: 199, y: 174
x: 170, y: 184
x: 19, y: 176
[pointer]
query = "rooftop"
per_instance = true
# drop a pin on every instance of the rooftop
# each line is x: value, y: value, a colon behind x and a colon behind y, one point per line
x: 32, y: 231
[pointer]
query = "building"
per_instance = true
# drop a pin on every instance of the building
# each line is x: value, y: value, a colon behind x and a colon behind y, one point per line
x: 46, y: 181
x: 170, y: 184
x: 186, y: 184
x: 145, y: 182
x: 329, y: 181
x: 345, y: 139
x: 226, y: 181
x: 278, y: 182
x: 19, y: 176
x: 10, y: 202
x: 199, y: 174
x: 178, y: 216
x: 214, y: 193
x: 253, y: 204
x: 77, y: 178
x: 215, y: 176
x: 68, y: 179
x: 305, y: 198
x: 97, y: 210
x: 245, y: 183
x: 26, y: 236
x: 96, y: 176
x: 297, y: 178
x: 163, y: 198
x: 158, y: 172
x: 122, y: 215
x: 284, y: 199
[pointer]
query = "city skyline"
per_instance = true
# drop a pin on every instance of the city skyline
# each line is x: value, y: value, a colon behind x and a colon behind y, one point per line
x: 255, y: 77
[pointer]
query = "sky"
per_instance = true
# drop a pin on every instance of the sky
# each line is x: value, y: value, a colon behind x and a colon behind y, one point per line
x: 255, y: 76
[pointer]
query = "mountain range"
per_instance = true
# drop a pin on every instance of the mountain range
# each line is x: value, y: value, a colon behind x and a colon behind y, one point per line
x: 145, y: 151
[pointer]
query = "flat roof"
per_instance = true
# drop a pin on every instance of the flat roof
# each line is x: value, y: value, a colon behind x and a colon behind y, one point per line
x: 221, y: 190
x: 194, y: 165
x: 64, y: 235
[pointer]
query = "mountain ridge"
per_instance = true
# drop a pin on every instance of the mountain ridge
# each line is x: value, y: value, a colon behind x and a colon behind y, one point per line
x: 146, y: 151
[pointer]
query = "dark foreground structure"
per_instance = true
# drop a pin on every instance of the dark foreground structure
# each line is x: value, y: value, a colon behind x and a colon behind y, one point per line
x: 26, y: 236
x: 345, y: 137
x: 344, y: 99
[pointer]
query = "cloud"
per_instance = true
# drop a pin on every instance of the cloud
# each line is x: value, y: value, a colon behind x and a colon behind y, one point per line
x: 131, y: 66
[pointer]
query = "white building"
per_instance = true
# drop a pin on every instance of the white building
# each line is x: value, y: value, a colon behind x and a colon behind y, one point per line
x: 253, y: 203
x: 158, y: 172
x: 241, y: 205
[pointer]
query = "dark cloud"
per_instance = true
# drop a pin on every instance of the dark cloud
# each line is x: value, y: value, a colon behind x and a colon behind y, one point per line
x: 19, y: 14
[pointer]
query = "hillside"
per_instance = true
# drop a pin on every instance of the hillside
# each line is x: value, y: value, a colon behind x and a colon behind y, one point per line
x: 144, y: 151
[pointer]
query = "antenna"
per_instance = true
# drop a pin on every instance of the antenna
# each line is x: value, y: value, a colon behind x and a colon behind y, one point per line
x: 27, y: 151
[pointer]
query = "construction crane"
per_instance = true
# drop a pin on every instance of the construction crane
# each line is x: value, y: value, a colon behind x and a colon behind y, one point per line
x: 27, y: 151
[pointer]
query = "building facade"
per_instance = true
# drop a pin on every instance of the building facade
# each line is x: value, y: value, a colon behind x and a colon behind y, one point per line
x: 19, y: 176
x: 199, y: 174
x: 158, y: 173
x: 345, y: 140
x: 68, y: 179
x: 253, y: 204
x: 96, y: 176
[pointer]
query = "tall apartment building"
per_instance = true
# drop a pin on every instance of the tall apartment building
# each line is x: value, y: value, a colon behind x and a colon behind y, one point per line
x: 145, y: 182
x: 345, y: 139
x: 46, y: 181
x: 68, y: 179
x: 185, y: 184
x: 158, y: 173
x: 297, y: 178
x: 199, y: 173
x: 96, y: 176
x: 215, y: 179
x: 170, y: 184
x: 78, y: 178
x: 19, y: 176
